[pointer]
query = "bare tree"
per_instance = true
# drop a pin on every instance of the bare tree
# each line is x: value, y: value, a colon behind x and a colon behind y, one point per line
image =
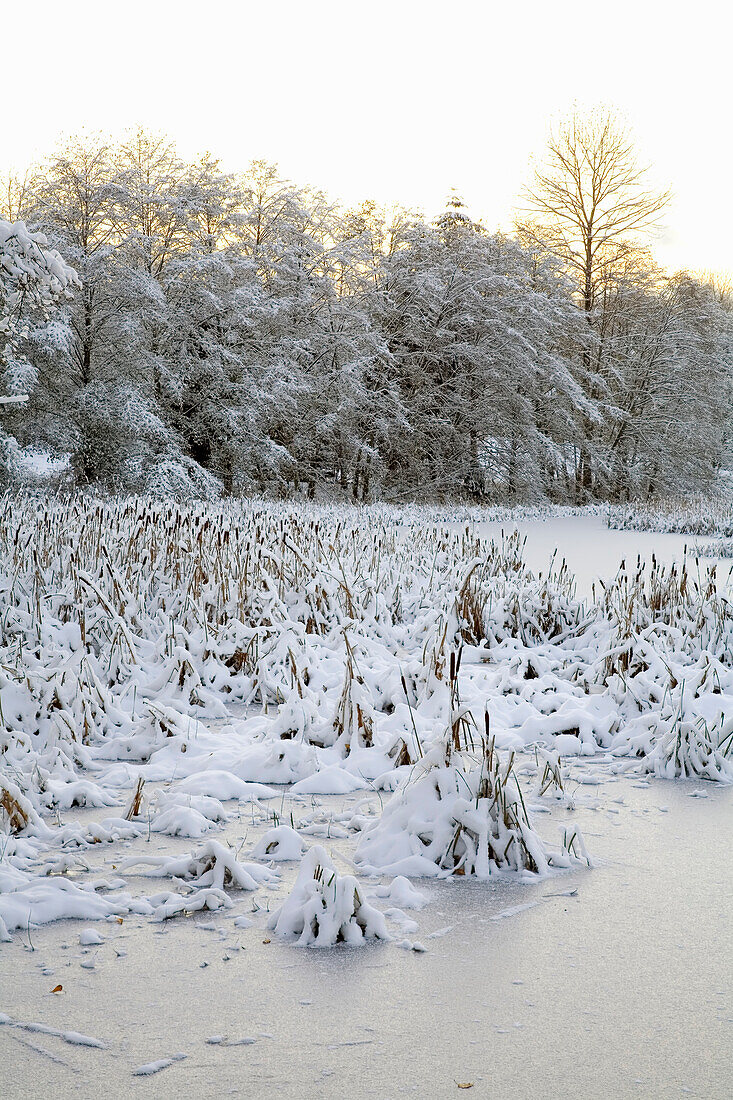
x: 589, y: 205
x: 14, y: 191
x: 721, y: 286
x: 589, y: 202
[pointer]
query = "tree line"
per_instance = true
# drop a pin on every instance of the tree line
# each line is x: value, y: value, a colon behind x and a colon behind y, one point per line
x: 236, y: 333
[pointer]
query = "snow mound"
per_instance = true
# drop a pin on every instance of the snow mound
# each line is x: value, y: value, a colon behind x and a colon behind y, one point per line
x: 402, y: 893
x: 181, y: 814
x: 89, y: 937
x: 333, y: 780
x: 281, y: 843
x: 224, y: 785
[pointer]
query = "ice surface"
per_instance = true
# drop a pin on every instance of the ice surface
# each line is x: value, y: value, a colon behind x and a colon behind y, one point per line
x: 642, y: 949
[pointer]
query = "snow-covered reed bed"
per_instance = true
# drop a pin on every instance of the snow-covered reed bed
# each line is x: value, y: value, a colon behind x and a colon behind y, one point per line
x: 162, y: 660
x: 703, y: 516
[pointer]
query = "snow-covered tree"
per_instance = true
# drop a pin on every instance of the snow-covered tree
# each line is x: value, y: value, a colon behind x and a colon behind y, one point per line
x: 33, y: 280
x: 472, y: 324
x: 242, y: 334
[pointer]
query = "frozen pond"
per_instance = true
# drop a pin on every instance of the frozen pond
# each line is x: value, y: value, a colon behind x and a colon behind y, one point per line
x: 612, y: 981
x: 622, y: 989
x: 594, y: 551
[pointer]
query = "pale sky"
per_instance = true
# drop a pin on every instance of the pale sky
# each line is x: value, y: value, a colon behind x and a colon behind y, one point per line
x: 396, y: 100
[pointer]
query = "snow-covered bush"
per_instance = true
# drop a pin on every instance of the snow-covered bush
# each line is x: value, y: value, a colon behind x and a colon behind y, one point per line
x: 685, y: 745
x: 353, y: 723
x: 325, y: 908
x: 500, y: 598
x: 16, y: 810
x: 464, y: 818
x: 212, y: 866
